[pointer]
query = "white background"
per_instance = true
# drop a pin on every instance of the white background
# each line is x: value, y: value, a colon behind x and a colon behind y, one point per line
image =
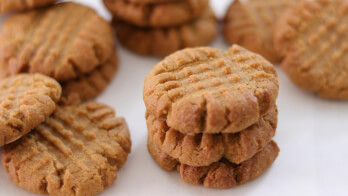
x: 312, y: 135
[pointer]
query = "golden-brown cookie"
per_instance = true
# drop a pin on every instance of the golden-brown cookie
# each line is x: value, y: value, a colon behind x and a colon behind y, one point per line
x: 313, y: 36
x: 77, y: 151
x: 205, y: 149
x: 205, y: 90
x: 25, y: 101
x: 21, y: 5
x: 221, y: 174
x: 157, y: 15
x: 164, y: 41
x: 89, y: 85
x: 62, y: 41
x: 250, y: 24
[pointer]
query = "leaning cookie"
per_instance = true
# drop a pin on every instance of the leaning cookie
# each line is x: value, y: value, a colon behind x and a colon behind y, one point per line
x: 164, y: 41
x: 205, y: 149
x: 76, y: 151
x: 250, y: 24
x: 22, y: 5
x: 221, y: 174
x: 206, y: 90
x: 25, y: 102
x: 62, y: 41
x: 157, y: 15
x: 313, y: 37
x: 89, y: 85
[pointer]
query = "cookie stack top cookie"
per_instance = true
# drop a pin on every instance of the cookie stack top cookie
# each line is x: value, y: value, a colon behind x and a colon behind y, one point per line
x: 205, y: 90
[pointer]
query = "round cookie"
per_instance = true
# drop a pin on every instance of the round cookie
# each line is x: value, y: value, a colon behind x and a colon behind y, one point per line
x: 205, y: 149
x: 21, y: 5
x: 164, y: 41
x: 157, y: 15
x: 205, y: 90
x: 313, y: 37
x: 25, y: 101
x: 221, y: 174
x: 250, y: 24
x: 76, y: 151
x: 62, y: 41
x: 89, y: 85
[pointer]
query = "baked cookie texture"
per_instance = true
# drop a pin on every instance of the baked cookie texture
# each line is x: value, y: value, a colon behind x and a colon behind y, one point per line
x: 89, y: 85
x: 250, y: 24
x: 157, y: 15
x: 205, y: 149
x: 22, y: 5
x: 25, y: 102
x: 76, y: 151
x: 221, y: 174
x: 63, y: 41
x: 164, y: 41
x: 205, y: 90
x: 313, y: 36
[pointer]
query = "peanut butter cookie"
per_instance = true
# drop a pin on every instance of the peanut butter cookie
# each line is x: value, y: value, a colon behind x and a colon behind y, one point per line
x: 25, y: 102
x: 164, y: 41
x: 205, y: 90
x: 313, y: 37
x: 250, y: 24
x: 62, y: 41
x: 157, y: 15
x: 77, y: 151
x: 89, y: 85
x: 21, y: 5
x: 205, y: 149
x: 221, y: 174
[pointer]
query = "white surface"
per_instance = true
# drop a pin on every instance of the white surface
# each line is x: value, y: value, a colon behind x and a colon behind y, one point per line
x: 312, y: 135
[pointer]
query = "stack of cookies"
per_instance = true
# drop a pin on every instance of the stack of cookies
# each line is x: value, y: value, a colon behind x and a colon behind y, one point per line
x: 160, y: 27
x: 58, y: 150
x: 67, y: 41
x: 212, y: 115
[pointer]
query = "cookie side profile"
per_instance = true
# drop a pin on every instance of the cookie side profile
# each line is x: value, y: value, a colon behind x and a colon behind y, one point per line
x: 157, y: 15
x: 25, y: 101
x: 89, y: 85
x: 164, y: 41
x: 313, y: 38
x: 205, y: 90
x: 22, y: 5
x: 250, y: 24
x: 76, y: 151
x: 62, y: 41
x: 221, y: 174
x: 205, y: 149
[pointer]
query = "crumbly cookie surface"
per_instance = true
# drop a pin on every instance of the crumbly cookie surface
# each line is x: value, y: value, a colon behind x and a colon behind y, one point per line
x: 250, y: 24
x: 205, y: 149
x: 21, y: 5
x: 25, y: 101
x: 152, y: 1
x: 63, y: 41
x: 76, y: 151
x: 205, y: 90
x: 89, y: 85
x: 157, y: 15
x: 221, y: 174
x: 313, y: 38
x: 164, y: 41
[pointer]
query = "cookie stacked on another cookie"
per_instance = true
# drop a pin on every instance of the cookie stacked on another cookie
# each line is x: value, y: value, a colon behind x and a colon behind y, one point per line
x: 212, y: 115
x: 160, y: 27
x: 67, y: 41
